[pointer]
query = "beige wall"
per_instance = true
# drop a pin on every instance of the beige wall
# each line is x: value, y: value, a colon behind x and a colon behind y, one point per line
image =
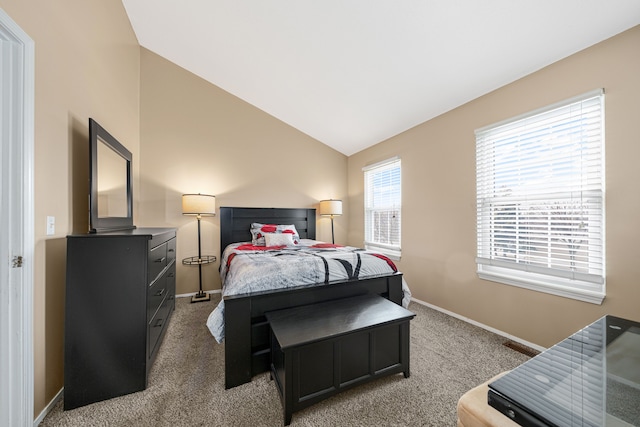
x: 197, y: 138
x: 87, y: 65
x: 438, y: 228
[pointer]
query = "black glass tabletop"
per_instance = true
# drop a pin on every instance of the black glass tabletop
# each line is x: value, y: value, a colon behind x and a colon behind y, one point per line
x: 591, y: 378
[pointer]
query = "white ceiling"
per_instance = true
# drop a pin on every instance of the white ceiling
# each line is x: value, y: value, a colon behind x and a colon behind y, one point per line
x: 352, y: 73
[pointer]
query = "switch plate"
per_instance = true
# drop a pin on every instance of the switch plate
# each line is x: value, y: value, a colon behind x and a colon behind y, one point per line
x: 51, y: 225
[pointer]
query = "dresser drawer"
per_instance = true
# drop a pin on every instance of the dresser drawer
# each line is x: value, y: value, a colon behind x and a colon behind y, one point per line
x: 171, y: 251
x: 156, y: 293
x: 157, y: 261
x: 158, y: 324
x: 171, y: 285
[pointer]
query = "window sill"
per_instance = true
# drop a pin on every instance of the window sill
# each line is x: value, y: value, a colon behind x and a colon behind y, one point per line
x: 549, y: 286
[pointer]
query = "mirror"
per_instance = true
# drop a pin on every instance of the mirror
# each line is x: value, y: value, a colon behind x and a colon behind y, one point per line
x: 112, y: 183
x: 110, y: 198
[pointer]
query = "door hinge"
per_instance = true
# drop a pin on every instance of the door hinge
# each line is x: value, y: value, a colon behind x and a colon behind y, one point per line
x: 17, y: 261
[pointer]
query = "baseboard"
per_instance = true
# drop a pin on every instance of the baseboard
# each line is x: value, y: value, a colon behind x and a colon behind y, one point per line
x: 480, y: 325
x: 189, y: 295
x: 48, y: 408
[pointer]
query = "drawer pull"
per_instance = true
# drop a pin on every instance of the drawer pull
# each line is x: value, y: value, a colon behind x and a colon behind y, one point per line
x: 158, y: 323
x: 161, y: 259
x: 159, y: 293
x: 170, y: 250
x: 171, y: 274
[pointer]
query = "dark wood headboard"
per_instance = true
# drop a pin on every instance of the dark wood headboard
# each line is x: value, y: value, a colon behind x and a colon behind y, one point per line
x: 235, y: 223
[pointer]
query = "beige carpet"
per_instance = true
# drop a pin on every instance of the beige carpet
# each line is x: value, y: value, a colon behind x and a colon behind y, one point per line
x: 186, y: 383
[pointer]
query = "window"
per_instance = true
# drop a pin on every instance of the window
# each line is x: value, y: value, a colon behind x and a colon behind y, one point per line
x: 540, y: 200
x: 382, y: 207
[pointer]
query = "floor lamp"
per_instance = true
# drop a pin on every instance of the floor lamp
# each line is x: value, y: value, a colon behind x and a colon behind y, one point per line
x: 331, y: 208
x: 199, y: 205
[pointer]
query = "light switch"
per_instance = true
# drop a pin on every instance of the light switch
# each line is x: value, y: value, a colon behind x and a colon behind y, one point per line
x: 51, y: 225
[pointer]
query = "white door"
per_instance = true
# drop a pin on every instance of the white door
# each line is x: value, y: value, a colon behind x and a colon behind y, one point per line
x: 16, y: 224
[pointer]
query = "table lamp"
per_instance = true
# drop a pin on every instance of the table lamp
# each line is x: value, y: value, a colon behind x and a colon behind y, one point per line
x: 331, y: 208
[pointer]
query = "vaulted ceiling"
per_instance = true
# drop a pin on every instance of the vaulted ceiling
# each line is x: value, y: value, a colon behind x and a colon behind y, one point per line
x: 352, y: 73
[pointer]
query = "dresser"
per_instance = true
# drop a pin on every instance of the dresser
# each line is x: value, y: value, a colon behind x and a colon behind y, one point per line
x: 120, y: 295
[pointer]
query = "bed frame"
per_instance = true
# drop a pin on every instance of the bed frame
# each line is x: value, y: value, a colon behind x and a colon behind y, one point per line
x: 247, y: 346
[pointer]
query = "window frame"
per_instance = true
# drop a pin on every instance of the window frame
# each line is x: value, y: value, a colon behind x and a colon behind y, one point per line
x: 391, y: 250
x: 553, y: 280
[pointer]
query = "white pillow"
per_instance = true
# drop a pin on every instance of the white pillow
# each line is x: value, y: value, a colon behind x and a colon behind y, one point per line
x: 278, y: 239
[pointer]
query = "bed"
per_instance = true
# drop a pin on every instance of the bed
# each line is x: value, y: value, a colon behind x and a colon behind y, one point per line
x: 246, y: 337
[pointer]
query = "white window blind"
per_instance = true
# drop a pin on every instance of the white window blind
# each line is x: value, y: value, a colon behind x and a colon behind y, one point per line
x: 540, y: 199
x: 382, y: 207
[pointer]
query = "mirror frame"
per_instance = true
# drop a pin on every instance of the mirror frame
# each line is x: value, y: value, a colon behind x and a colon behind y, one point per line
x: 98, y: 135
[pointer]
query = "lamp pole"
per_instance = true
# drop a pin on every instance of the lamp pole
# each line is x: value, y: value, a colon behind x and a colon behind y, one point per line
x: 333, y: 240
x: 200, y: 293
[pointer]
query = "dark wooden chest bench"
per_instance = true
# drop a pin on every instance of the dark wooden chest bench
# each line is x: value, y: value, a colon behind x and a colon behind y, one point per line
x: 322, y: 349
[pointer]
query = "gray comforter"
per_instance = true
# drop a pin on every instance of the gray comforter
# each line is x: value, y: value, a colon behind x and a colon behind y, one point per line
x: 246, y: 269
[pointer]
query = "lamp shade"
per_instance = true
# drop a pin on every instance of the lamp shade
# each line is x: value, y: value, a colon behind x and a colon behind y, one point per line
x: 331, y: 207
x: 198, y: 204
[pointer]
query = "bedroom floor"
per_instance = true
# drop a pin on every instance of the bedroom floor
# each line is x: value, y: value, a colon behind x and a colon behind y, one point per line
x: 186, y: 383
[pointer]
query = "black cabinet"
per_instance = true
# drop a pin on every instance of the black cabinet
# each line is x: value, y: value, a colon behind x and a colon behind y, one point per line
x: 120, y: 295
x: 322, y: 349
